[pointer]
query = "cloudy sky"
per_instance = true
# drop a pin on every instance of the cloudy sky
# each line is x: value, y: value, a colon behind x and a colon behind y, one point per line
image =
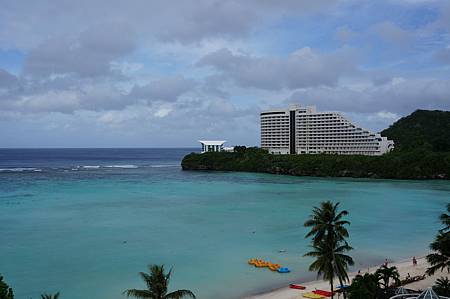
x: 137, y: 73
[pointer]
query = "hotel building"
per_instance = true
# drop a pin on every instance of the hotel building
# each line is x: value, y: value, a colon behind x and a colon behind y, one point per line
x: 303, y: 130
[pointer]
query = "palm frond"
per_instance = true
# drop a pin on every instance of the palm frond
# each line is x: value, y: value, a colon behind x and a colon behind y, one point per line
x: 437, y: 262
x: 157, y: 281
x: 180, y: 294
x: 49, y: 296
x: 140, y: 294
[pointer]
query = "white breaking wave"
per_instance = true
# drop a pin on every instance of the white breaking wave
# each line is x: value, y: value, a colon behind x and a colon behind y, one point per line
x: 164, y: 165
x: 90, y: 166
x: 122, y: 166
x: 20, y: 169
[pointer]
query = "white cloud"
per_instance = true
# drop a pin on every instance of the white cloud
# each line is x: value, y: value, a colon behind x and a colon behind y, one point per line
x: 169, y: 72
x: 26, y: 25
x: 387, y: 115
x: 164, y: 89
x: 398, y: 96
x: 344, y: 34
x: 88, y: 54
x: 442, y: 55
x: 63, y: 101
x: 302, y: 68
x: 7, y: 79
x: 392, y: 33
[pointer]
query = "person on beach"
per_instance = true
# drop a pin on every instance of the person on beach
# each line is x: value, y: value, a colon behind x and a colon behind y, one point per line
x: 385, y: 262
x: 414, y: 261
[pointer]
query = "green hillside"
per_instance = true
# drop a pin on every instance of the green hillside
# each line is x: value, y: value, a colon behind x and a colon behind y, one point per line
x: 422, y: 128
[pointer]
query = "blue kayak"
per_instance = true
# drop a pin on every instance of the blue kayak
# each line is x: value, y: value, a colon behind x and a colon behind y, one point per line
x: 283, y: 270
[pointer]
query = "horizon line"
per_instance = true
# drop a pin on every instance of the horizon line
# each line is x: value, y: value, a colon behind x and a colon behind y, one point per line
x: 113, y: 147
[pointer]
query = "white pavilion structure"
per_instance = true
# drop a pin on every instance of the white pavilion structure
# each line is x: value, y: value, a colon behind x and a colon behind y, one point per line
x: 212, y: 145
x: 427, y: 294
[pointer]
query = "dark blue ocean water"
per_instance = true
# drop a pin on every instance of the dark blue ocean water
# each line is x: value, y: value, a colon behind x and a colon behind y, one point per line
x: 85, y: 221
x: 18, y: 160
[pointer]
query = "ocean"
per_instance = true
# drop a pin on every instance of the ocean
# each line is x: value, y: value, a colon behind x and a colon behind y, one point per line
x: 85, y: 221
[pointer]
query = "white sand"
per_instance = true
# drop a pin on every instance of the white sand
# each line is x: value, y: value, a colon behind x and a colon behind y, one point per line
x: 404, y: 267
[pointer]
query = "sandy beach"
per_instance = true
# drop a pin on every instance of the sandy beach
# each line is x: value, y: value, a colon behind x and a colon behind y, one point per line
x: 404, y: 267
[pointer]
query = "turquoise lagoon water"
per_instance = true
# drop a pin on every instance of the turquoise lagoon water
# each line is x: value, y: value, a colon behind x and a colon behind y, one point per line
x: 84, y: 222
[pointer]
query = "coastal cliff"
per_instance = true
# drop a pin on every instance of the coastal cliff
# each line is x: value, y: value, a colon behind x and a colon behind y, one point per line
x: 422, y: 142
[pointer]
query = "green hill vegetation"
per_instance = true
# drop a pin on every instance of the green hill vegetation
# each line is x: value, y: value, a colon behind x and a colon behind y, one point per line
x: 422, y: 142
x: 422, y: 128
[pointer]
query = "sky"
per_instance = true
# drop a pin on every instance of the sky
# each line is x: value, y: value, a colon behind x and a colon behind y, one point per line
x: 142, y: 73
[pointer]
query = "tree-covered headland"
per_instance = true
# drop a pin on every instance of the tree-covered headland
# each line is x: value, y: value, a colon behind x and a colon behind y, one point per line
x: 422, y: 151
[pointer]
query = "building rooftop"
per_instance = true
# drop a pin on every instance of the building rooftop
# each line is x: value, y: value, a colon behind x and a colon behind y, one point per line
x: 212, y: 142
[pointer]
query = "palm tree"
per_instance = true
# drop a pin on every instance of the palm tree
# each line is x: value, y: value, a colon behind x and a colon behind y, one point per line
x: 364, y: 287
x: 331, y: 262
x: 385, y: 273
x: 323, y: 262
x: 440, y: 258
x: 442, y: 286
x: 157, y: 282
x: 327, y: 223
x: 329, y: 235
x: 5, y: 291
x: 48, y: 296
x: 445, y: 219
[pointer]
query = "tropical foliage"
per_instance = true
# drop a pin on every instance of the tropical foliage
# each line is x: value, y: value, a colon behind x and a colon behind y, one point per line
x: 385, y: 274
x: 419, y: 163
x: 440, y: 258
x: 330, y: 261
x: 47, y: 296
x: 329, y: 245
x: 364, y: 287
x: 422, y: 128
x: 157, y: 282
x: 327, y: 223
x: 442, y: 286
x: 5, y: 291
x: 445, y: 219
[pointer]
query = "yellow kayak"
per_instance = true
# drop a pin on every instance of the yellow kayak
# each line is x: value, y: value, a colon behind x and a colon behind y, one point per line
x: 313, y: 296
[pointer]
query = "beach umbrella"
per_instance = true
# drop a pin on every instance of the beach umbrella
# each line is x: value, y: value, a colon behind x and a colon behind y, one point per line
x: 428, y: 294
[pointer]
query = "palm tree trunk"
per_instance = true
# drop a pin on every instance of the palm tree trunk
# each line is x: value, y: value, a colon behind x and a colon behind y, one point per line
x: 331, y: 284
x: 344, y: 292
x: 339, y: 277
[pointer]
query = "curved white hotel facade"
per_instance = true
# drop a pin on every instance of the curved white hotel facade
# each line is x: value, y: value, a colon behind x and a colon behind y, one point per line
x: 303, y: 130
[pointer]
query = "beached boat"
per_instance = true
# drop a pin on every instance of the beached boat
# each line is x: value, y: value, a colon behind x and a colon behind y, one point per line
x: 313, y: 296
x: 262, y: 264
x: 283, y: 270
x: 323, y: 293
x: 297, y: 286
